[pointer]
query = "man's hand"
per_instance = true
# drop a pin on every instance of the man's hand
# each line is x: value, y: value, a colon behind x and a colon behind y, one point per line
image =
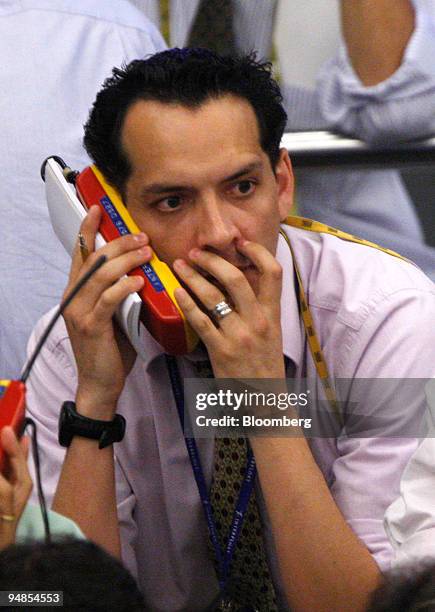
x: 15, y: 489
x: 247, y: 342
x: 104, y: 358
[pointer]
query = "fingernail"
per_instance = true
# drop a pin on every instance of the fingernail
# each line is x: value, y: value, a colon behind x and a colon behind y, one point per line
x: 144, y: 251
x: 194, y: 252
x: 242, y: 242
x: 139, y: 282
x: 180, y: 294
x: 179, y: 264
x: 140, y: 237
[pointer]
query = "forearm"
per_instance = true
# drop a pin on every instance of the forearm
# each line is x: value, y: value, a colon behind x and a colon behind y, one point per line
x: 376, y: 33
x: 86, y: 492
x: 324, y: 566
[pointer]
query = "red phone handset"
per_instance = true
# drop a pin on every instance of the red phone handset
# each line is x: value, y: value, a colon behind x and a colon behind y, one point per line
x: 12, y: 409
x: 160, y: 313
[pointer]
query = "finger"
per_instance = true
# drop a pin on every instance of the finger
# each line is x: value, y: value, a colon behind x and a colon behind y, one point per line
x: 25, y: 446
x: 16, y: 456
x: 200, y: 322
x: 123, y: 257
x: 207, y: 293
x: 114, y: 295
x: 112, y: 250
x: 6, y: 496
x: 88, y: 228
x: 231, y: 278
x: 269, y: 270
x: 9, y: 442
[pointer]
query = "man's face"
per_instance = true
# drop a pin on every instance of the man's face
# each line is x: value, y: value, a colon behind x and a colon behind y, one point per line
x: 201, y: 179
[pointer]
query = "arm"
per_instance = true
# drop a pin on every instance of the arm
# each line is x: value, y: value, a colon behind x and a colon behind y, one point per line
x: 86, y: 495
x: 380, y: 86
x: 323, y: 563
x: 103, y: 362
x: 376, y: 33
x: 86, y: 488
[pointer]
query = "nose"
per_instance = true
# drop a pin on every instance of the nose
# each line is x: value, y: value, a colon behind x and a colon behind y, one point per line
x: 216, y: 224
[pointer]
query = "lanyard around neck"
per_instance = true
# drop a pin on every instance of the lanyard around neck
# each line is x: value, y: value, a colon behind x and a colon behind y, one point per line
x: 223, y: 558
x: 307, y: 319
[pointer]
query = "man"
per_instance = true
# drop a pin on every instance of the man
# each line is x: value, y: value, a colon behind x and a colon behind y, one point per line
x: 191, y: 141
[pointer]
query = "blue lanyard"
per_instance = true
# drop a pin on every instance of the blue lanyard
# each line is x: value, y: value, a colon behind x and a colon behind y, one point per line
x: 223, y: 558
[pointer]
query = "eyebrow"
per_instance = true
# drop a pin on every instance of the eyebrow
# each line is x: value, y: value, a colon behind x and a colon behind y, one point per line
x: 161, y: 188
x: 246, y: 170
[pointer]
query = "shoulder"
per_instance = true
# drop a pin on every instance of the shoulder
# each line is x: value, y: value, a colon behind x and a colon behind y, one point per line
x: 353, y: 280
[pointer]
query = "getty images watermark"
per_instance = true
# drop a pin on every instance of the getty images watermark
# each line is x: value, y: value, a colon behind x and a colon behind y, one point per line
x: 239, y: 402
x: 266, y: 407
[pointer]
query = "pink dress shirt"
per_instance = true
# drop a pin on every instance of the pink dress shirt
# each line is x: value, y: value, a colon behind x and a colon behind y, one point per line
x: 374, y: 316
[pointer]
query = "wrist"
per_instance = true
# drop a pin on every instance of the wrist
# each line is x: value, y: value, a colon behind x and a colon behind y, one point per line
x: 95, y: 406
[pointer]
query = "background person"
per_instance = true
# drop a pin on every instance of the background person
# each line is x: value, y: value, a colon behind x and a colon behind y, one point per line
x: 89, y: 578
x: 47, y: 47
x: 411, y: 590
x: 21, y: 521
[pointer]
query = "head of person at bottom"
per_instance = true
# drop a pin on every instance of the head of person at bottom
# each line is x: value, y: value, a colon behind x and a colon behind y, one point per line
x: 411, y: 590
x: 191, y: 140
x: 88, y: 577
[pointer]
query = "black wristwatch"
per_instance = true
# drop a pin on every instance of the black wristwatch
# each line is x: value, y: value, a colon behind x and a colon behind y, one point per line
x: 71, y: 424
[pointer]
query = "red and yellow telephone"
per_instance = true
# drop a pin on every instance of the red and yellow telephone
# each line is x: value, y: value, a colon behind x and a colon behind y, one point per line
x: 155, y: 305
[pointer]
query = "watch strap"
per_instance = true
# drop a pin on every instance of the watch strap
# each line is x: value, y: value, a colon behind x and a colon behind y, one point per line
x: 71, y: 424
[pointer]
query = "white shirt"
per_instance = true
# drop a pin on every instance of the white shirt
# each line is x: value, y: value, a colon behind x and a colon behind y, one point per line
x: 410, y: 519
x: 55, y: 55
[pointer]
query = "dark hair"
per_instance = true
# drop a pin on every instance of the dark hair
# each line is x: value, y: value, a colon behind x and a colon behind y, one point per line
x: 188, y: 77
x: 89, y: 577
x: 408, y: 591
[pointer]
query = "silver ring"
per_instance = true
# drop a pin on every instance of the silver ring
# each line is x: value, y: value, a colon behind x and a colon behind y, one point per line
x: 221, y: 310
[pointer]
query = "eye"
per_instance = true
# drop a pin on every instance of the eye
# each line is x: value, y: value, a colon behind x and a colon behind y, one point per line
x: 243, y: 188
x: 170, y: 203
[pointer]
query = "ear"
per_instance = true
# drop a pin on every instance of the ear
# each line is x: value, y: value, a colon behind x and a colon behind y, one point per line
x: 285, y: 183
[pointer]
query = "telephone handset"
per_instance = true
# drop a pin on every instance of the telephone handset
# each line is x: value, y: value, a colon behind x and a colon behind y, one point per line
x: 12, y: 411
x: 154, y: 305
